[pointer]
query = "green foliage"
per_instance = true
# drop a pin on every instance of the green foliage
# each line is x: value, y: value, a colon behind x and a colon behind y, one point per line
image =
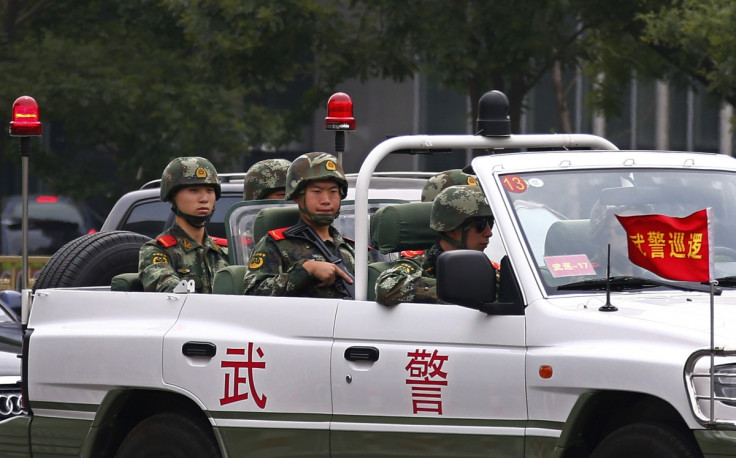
x: 473, y: 46
x: 124, y: 87
x: 697, y: 37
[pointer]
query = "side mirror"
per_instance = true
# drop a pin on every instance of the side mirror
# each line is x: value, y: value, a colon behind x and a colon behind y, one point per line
x: 467, y: 278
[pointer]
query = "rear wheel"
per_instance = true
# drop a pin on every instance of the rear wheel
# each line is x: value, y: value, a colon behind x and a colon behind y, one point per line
x: 169, y: 435
x: 647, y: 440
x: 92, y: 260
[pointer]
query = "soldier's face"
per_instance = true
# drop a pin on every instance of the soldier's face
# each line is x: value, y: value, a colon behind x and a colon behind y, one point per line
x: 478, y: 240
x: 196, y: 200
x: 475, y: 239
x: 322, y: 197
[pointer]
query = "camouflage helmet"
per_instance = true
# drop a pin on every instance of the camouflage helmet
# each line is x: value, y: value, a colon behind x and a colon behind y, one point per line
x: 188, y: 171
x: 442, y: 180
x: 313, y: 167
x: 265, y: 177
x: 456, y: 204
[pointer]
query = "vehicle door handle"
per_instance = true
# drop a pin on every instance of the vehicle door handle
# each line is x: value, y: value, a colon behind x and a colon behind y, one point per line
x: 206, y: 349
x: 361, y: 354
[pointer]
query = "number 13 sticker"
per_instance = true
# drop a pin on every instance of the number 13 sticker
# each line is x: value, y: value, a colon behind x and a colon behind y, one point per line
x: 514, y: 183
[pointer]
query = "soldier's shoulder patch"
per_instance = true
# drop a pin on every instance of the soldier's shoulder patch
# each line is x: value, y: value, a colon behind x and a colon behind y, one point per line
x: 278, y: 234
x: 407, y: 267
x: 256, y: 260
x: 167, y: 240
x: 160, y: 258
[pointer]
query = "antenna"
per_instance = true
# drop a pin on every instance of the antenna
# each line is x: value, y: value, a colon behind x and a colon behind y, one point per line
x: 608, y: 307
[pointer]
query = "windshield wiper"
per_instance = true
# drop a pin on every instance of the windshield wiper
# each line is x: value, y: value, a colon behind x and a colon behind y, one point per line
x: 626, y: 283
x: 729, y: 281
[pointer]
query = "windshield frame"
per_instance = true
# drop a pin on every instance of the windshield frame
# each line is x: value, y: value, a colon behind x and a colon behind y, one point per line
x: 491, y: 175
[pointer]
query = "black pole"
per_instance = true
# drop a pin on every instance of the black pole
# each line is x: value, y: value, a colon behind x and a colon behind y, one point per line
x: 608, y: 307
x: 339, y: 145
x: 25, y: 149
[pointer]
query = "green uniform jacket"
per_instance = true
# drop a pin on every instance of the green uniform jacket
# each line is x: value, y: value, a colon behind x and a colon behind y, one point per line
x: 275, y: 267
x: 410, y: 280
x: 174, y: 256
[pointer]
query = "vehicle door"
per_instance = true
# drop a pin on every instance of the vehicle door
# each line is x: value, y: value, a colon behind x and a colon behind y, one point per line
x: 427, y: 380
x: 260, y: 368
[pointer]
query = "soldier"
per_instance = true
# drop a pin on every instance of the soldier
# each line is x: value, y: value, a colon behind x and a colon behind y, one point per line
x: 452, y: 177
x: 185, y: 251
x: 266, y: 180
x: 310, y: 258
x: 462, y: 219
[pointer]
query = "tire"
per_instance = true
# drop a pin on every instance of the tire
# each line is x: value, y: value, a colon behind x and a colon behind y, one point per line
x: 647, y: 440
x: 92, y: 260
x: 169, y: 435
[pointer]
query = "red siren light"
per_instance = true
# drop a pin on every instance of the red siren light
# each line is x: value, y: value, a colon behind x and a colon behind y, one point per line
x: 340, y: 112
x: 26, y: 118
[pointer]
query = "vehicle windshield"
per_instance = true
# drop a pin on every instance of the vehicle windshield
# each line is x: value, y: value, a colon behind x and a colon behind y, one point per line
x: 568, y: 219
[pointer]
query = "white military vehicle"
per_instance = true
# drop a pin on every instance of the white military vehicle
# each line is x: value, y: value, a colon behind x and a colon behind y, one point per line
x: 562, y: 361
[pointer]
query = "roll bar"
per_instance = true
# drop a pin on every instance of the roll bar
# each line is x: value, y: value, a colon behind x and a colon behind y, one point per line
x: 428, y: 142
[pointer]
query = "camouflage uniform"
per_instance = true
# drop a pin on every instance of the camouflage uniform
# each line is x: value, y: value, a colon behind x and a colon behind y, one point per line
x: 452, y: 177
x: 265, y: 177
x: 276, y: 265
x: 410, y: 280
x: 174, y: 256
x: 414, y: 279
x: 276, y: 269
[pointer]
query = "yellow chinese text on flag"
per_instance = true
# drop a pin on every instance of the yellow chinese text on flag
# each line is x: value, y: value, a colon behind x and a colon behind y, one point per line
x: 671, y: 247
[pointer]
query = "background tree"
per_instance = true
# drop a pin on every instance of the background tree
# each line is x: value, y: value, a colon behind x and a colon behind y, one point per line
x: 697, y: 38
x: 126, y: 86
x: 476, y: 45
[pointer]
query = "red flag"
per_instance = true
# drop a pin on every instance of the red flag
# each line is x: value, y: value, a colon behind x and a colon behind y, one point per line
x: 674, y: 248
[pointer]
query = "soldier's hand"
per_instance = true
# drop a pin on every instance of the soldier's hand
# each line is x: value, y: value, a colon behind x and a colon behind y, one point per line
x: 326, y: 272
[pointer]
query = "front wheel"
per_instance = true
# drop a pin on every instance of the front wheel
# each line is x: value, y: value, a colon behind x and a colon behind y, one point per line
x: 169, y: 435
x: 647, y: 440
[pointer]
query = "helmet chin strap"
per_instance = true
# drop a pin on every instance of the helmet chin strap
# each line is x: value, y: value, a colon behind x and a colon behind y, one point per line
x: 196, y: 221
x: 319, y: 219
x: 460, y: 244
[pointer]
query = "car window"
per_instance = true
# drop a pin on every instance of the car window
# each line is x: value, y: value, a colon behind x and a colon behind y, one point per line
x: 58, y: 211
x: 147, y: 218
x: 216, y: 226
x: 152, y: 217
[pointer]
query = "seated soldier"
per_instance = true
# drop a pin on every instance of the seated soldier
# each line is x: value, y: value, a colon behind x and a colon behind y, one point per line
x: 463, y: 219
x: 310, y: 258
x: 443, y: 180
x: 266, y: 179
x: 185, y: 251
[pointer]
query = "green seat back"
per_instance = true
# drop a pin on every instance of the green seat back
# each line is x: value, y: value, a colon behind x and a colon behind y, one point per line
x: 126, y: 282
x: 229, y: 280
x: 274, y: 218
x: 396, y: 228
x: 567, y: 237
x: 402, y: 227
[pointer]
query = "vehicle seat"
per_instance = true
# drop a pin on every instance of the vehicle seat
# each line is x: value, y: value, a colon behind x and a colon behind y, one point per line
x: 567, y: 237
x: 128, y: 281
x: 274, y: 218
x: 229, y: 280
x: 397, y: 228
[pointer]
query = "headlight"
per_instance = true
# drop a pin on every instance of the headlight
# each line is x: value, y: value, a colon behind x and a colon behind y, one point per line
x: 725, y: 383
